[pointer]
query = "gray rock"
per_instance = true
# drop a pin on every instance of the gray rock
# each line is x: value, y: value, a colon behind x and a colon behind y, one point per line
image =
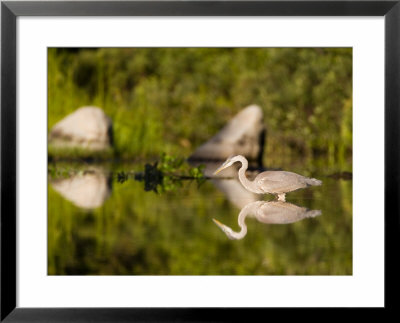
x: 243, y: 135
x: 88, y: 128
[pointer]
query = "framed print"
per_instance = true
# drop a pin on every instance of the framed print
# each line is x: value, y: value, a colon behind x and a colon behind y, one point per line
x: 197, y: 160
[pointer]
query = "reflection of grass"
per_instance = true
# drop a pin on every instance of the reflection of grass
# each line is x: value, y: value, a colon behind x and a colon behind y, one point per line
x: 165, y: 174
x: 138, y: 232
x: 173, y: 99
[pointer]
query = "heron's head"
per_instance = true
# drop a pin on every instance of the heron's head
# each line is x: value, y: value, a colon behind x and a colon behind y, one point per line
x: 227, y: 230
x: 229, y: 162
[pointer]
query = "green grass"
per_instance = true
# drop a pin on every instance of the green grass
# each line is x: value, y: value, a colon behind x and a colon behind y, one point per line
x: 173, y: 99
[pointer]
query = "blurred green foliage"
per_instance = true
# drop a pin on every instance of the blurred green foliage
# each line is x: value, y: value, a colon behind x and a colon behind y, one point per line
x: 173, y: 99
x: 143, y: 233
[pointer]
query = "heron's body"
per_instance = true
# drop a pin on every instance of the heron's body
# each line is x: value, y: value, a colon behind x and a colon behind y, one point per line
x: 279, y: 182
x: 273, y: 182
x: 279, y: 212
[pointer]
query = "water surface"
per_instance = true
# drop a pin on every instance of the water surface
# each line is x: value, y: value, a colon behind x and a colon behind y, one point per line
x: 100, y: 225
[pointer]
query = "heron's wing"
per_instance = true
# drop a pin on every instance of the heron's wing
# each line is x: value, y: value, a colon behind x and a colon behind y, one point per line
x: 273, y: 207
x: 280, y: 212
x: 279, y: 181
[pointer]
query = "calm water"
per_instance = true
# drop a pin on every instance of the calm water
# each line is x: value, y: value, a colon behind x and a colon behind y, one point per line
x: 100, y: 226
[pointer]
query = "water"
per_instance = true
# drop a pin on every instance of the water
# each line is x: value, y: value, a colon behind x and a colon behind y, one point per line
x: 98, y: 225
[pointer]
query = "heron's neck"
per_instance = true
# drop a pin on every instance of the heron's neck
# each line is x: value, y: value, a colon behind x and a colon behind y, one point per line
x: 243, y: 227
x: 242, y: 175
x: 245, y: 211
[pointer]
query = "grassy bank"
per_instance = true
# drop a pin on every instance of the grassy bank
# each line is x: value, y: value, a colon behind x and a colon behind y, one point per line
x: 173, y: 99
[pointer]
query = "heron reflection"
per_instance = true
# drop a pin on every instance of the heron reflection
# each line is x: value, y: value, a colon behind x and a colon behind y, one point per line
x: 272, y: 212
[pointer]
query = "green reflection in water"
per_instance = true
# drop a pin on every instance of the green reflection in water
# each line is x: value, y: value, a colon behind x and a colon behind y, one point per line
x: 144, y: 233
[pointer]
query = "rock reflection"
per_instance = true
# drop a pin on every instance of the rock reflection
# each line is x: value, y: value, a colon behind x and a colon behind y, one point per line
x: 227, y: 182
x: 271, y: 212
x: 235, y: 192
x: 88, y: 190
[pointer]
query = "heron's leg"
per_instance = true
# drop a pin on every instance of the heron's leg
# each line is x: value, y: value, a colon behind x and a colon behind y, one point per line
x: 282, y: 197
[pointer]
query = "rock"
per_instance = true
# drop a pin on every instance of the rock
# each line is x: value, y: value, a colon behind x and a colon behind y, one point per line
x: 87, y: 127
x: 87, y: 191
x: 243, y: 135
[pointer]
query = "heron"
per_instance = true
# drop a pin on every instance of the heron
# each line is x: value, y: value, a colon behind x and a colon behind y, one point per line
x: 273, y: 182
x: 272, y: 212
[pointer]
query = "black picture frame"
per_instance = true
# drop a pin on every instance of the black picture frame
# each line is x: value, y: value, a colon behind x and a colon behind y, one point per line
x: 11, y: 10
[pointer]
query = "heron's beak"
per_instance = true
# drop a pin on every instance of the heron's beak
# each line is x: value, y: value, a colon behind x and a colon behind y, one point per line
x: 219, y: 224
x: 219, y: 169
